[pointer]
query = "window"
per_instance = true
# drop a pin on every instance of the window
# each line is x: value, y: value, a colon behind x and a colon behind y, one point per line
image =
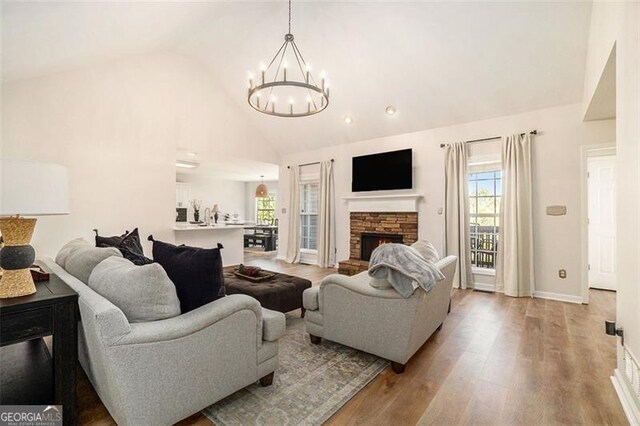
x: 485, y: 193
x: 266, y: 210
x: 309, y: 216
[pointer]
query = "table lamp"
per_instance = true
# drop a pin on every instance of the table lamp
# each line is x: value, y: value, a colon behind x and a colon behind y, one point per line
x: 215, y: 211
x: 27, y: 188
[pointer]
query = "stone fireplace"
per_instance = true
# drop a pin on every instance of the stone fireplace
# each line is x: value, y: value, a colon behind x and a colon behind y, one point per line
x: 370, y: 229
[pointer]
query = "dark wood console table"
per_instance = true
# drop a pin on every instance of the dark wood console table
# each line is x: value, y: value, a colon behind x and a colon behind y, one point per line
x: 30, y: 374
x: 263, y: 235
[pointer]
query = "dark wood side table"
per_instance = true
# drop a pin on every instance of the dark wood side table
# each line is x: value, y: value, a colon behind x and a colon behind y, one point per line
x: 30, y: 374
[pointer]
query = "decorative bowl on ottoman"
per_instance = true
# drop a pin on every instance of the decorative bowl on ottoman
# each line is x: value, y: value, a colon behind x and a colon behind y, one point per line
x: 280, y: 292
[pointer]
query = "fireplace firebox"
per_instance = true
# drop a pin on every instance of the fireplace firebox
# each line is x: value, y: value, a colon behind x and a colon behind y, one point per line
x: 369, y: 242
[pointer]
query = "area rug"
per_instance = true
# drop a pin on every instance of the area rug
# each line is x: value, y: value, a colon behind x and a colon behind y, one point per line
x: 311, y: 383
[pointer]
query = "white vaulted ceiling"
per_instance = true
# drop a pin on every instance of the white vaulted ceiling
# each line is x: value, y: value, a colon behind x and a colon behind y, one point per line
x: 437, y: 63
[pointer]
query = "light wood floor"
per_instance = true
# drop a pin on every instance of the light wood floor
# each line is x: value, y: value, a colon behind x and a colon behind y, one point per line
x: 497, y: 361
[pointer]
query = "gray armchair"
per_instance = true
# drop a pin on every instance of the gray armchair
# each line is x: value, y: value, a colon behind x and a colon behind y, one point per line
x: 163, y: 371
x: 349, y: 311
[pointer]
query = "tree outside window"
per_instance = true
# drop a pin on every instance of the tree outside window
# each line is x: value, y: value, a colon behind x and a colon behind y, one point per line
x: 266, y: 210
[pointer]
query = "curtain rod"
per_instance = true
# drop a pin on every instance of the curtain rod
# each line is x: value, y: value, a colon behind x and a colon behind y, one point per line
x: 308, y: 164
x: 533, y: 132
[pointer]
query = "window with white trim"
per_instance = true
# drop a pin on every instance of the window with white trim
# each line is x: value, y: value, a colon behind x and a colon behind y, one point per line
x: 485, y: 194
x: 266, y: 210
x: 309, y: 216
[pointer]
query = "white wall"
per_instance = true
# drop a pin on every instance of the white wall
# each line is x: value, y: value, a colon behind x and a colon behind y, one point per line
x: 250, y: 197
x: 229, y: 195
x: 556, y: 173
x: 628, y: 167
x: 619, y: 22
x: 117, y: 127
x: 603, y: 33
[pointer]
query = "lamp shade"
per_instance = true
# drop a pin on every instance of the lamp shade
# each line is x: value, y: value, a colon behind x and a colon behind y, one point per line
x: 262, y: 191
x: 216, y: 209
x: 32, y: 188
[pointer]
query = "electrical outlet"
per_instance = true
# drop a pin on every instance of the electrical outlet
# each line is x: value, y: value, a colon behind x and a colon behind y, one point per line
x: 562, y: 273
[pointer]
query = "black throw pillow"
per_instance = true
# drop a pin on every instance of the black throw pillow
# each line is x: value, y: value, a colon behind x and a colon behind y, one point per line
x: 131, y: 249
x: 196, y: 273
x: 113, y: 241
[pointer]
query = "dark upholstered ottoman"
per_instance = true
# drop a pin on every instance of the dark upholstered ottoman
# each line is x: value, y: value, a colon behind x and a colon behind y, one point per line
x: 281, y: 293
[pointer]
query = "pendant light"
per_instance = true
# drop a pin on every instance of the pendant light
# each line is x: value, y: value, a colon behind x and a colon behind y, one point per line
x: 261, y: 190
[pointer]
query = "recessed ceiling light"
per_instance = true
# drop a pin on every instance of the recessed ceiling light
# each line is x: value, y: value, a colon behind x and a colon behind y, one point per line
x: 348, y: 119
x: 186, y: 164
x: 390, y: 110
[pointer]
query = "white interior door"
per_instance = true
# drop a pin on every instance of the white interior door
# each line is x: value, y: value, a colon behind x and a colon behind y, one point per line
x: 602, y: 222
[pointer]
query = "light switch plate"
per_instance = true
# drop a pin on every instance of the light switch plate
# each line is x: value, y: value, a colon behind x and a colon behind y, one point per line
x: 556, y: 210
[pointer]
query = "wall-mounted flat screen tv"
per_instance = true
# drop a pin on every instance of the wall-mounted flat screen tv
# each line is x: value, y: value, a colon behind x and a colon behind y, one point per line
x: 382, y: 171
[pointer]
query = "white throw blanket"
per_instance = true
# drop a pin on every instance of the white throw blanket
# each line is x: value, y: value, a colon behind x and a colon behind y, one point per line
x: 403, y: 265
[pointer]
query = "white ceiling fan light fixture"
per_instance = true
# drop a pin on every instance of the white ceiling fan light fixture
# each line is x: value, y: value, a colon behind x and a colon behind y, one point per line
x: 187, y: 164
x: 285, y: 78
x: 390, y: 110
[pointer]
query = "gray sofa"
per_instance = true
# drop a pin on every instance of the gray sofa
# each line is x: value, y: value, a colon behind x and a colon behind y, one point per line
x: 157, y: 373
x: 349, y: 311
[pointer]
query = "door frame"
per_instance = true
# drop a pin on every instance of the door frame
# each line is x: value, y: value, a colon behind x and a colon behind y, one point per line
x: 586, y: 151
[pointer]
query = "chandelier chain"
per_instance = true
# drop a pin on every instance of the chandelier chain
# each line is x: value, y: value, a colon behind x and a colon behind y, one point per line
x: 289, y: 16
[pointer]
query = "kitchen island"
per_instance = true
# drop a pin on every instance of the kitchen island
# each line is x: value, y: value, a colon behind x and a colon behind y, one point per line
x: 230, y: 236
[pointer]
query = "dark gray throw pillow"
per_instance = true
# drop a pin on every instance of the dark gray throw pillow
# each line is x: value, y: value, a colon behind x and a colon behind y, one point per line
x: 131, y: 249
x: 196, y: 272
x: 113, y: 241
x: 128, y: 244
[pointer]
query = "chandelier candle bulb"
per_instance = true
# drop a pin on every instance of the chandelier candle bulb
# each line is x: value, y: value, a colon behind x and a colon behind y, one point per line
x: 307, y: 77
x: 262, y: 76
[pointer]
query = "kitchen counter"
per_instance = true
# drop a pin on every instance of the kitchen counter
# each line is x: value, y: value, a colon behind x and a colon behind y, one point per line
x: 219, y: 227
x: 230, y: 236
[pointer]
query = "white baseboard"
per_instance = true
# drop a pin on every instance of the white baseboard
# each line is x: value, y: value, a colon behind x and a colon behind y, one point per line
x: 629, y: 403
x: 484, y: 287
x: 557, y: 296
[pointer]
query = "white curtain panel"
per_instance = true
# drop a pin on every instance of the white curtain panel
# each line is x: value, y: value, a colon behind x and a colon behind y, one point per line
x: 326, y: 217
x: 458, y: 242
x: 293, y: 241
x: 514, y: 271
